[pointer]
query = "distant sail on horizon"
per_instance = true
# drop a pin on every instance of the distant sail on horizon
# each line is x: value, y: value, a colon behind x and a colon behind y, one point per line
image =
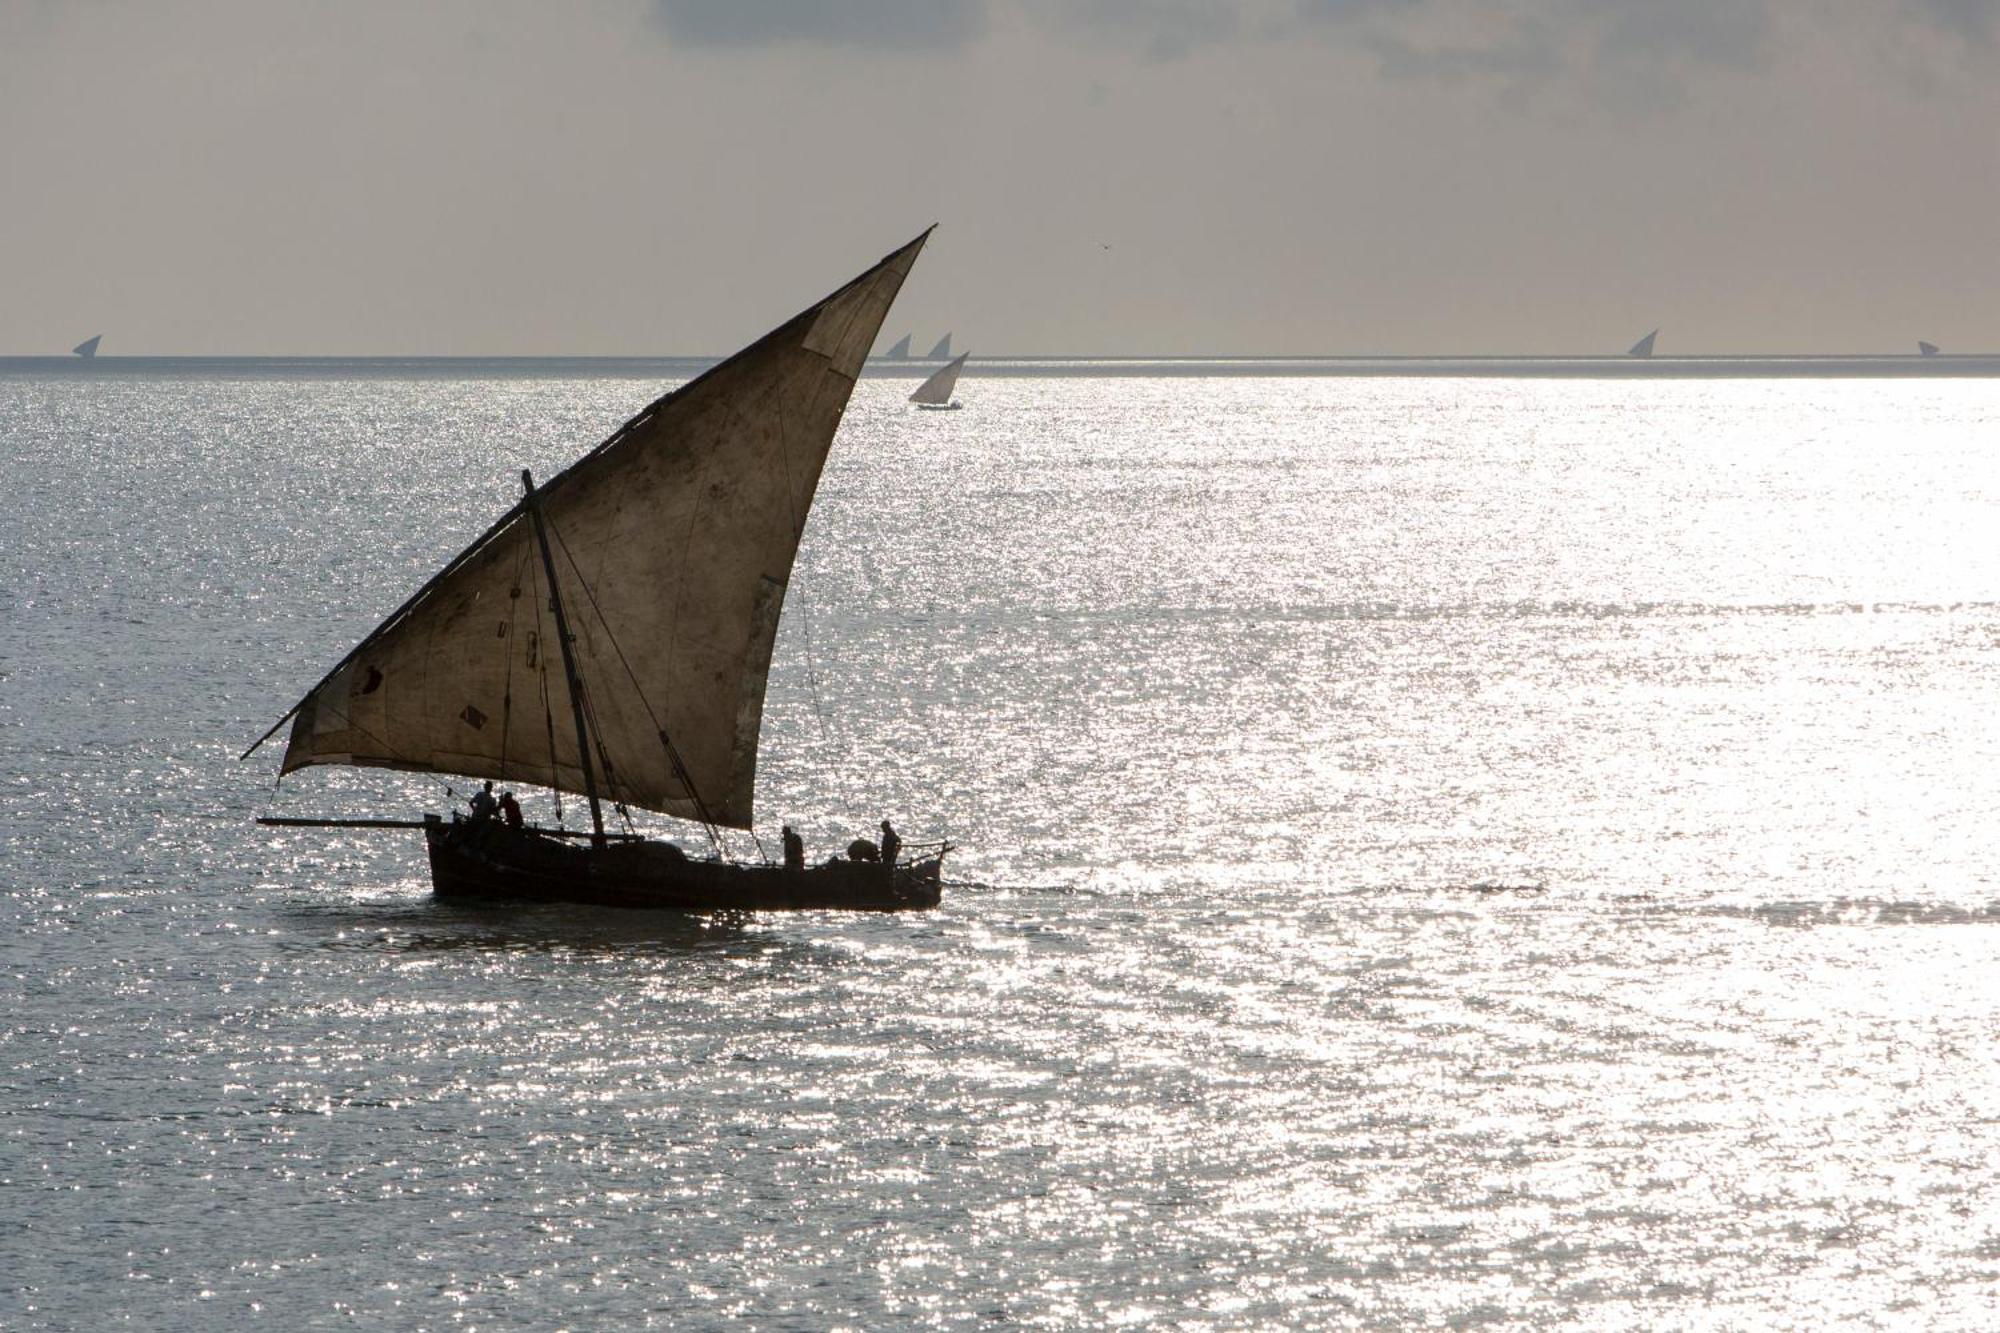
x: 1926, y: 349
x: 936, y: 391
x: 88, y: 347
x: 901, y: 351
x: 1644, y: 347
x: 942, y: 351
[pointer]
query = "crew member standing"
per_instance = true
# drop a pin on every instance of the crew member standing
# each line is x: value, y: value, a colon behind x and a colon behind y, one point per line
x: 795, y: 849
x: 891, y: 844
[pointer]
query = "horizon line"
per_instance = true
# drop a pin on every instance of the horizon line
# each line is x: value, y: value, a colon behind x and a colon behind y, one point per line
x: 1615, y: 357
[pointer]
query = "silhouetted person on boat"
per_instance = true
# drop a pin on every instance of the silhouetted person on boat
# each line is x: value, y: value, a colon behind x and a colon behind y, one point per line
x: 891, y: 844
x: 483, y: 804
x: 795, y: 849
x: 510, y: 809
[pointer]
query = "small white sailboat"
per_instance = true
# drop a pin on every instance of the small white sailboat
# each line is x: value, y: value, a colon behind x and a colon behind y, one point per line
x: 88, y: 347
x: 1644, y: 347
x: 942, y: 351
x: 935, y: 392
x: 901, y: 350
x: 1926, y: 349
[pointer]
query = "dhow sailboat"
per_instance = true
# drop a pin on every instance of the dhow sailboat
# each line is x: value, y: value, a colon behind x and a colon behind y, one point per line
x: 935, y: 392
x: 610, y: 636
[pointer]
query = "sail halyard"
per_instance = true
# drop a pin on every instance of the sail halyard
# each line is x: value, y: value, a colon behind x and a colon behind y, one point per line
x: 679, y: 531
x: 570, y: 677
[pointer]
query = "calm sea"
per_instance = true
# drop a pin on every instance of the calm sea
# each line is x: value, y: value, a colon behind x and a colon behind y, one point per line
x: 1432, y: 852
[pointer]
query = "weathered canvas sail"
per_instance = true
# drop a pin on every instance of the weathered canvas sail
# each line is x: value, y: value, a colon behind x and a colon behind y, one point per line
x: 673, y: 542
x: 936, y: 391
x: 942, y: 350
x: 1644, y: 347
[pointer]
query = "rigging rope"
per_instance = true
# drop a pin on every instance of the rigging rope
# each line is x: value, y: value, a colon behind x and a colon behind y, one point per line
x: 673, y: 753
x: 805, y: 623
x: 542, y: 673
x: 507, y: 698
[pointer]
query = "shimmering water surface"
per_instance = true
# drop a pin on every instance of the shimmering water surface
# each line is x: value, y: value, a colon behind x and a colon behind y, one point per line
x: 1432, y: 852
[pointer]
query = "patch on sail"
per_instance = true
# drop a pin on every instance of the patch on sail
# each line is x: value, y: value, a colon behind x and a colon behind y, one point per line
x: 472, y: 717
x: 373, y: 683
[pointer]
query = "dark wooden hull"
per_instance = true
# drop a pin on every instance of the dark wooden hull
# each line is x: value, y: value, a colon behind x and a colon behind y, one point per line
x: 489, y: 860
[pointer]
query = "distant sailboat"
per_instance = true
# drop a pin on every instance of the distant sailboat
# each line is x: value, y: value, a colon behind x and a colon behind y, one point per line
x: 88, y: 347
x: 1926, y: 349
x: 942, y: 350
x: 1644, y: 347
x: 935, y: 392
x: 901, y: 351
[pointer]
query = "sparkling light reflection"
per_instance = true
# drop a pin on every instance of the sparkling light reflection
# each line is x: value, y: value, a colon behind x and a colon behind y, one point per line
x: 1441, y: 852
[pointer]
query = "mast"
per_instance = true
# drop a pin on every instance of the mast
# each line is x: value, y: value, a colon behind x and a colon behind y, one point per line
x: 534, y: 504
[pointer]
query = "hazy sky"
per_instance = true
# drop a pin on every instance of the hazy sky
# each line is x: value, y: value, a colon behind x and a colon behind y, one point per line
x: 1117, y: 176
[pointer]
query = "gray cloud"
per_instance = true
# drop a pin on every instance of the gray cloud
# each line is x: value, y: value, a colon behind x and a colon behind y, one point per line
x: 1633, y: 51
x: 1975, y: 21
x: 1636, y: 53
x: 873, y: 24
x: 1157, y: 29
x: 1718, y: 32
x: 1344, y: 10
x: 1526, y: 54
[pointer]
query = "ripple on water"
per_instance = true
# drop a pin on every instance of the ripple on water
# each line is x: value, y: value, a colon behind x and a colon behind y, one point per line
x: 1431, y: 852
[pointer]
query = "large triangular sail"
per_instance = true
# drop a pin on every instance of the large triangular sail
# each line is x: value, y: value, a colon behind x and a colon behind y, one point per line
x: 1926, y: 349
x: 936, y: 391
x: 88, y: 347
x: 941, y: 349
x: 901, y: 350
x: 1644, y: 347
x: 673, y: 542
